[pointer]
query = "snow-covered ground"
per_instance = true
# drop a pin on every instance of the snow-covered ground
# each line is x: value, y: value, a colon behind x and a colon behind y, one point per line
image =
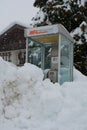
x: 29, y: 103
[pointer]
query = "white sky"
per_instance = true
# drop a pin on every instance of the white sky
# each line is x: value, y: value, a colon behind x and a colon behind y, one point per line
x: 16, y: 10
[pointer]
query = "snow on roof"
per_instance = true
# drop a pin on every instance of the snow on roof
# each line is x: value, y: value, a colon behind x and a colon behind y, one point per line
x: 11, y: 25
x: 49, y: 29
x: 61, y: 29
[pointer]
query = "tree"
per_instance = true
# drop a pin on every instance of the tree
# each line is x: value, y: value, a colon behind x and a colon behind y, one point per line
x: 71, y: 14
x: 40, y: 3
x: 80, y: 48
x: 68, y: 13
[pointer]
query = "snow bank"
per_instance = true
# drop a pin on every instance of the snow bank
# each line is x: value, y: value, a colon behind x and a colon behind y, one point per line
x: 8, y: 71
x: 28, y: 102
x: 79, y: 77
x: 30, y: 72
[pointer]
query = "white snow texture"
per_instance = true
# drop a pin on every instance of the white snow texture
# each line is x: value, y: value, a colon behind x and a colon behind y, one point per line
x: 29, y: 103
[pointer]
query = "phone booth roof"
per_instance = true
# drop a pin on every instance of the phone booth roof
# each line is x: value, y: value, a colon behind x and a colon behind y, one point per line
x: 49, y: 33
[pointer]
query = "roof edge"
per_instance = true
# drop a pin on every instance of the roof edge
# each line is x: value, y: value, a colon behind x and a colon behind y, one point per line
x: 11, y: 25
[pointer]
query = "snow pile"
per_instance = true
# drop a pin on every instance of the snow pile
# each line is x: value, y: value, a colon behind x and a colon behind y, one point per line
x: 8, y: 71
x: 29, y: 103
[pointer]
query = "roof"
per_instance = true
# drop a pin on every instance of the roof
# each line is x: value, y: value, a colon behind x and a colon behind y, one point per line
x: 11, y: 27
x: 12, y: 34
x: 48, y: 30
x: 37, y: 31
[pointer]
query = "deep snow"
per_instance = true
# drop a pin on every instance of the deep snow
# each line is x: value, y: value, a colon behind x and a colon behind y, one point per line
x: 29, y: 103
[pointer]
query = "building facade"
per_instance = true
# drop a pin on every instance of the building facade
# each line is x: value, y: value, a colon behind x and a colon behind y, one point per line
x: 13, y: 44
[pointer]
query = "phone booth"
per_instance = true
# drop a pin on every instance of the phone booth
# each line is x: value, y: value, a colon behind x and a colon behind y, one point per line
x: 51, y: 48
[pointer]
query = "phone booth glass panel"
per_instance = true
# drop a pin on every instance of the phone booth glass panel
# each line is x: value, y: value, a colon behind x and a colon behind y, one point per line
x: 66, y: 58
x: 34, y: 53
x: 51, y: 48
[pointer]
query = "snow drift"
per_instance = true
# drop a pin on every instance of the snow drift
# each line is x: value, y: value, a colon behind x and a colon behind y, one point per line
x: 28, y: 102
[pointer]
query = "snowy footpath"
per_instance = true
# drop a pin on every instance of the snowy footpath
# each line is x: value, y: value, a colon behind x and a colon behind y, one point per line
x: 29, y: 103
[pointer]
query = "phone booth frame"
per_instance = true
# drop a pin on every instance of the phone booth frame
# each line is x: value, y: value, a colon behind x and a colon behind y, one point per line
x: 46, y: 36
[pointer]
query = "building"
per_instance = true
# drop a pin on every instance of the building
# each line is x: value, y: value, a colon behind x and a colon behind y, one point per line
x: 13, y: 44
